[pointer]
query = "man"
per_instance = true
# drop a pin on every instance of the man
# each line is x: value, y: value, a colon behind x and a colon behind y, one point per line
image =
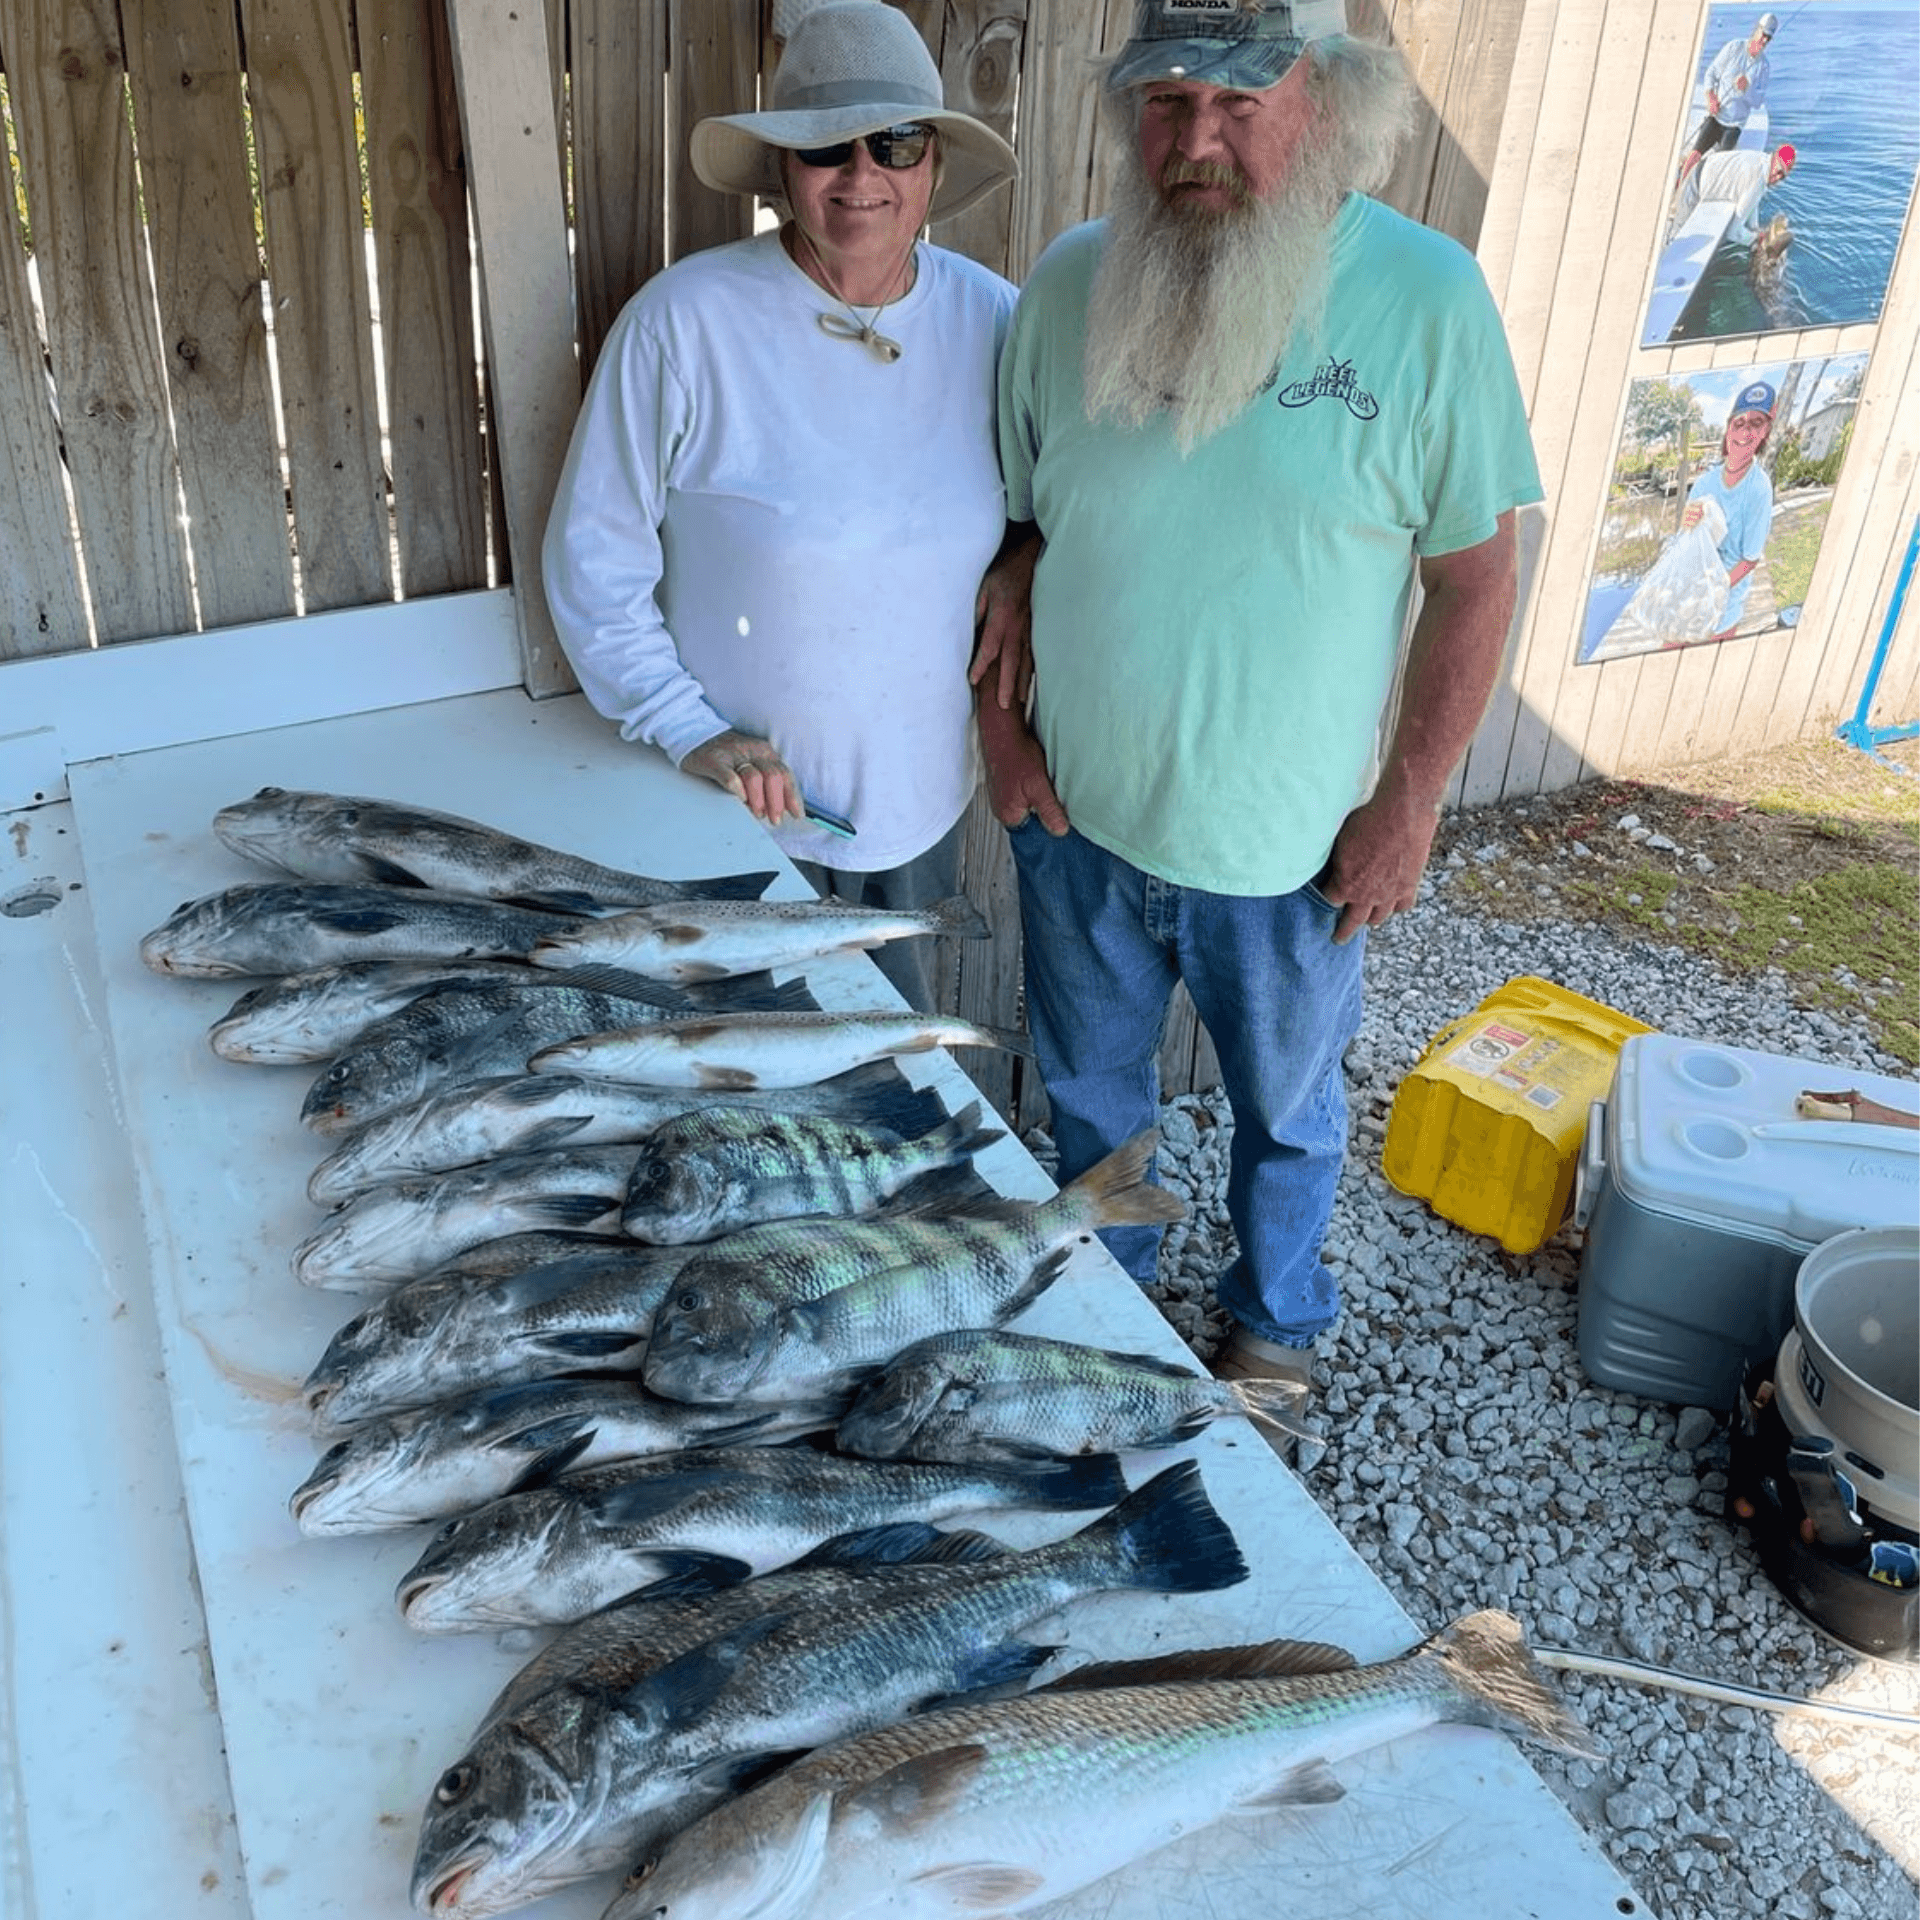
x: 1736, y: 87
x: 1740, y: 176
x: 1243, y: 415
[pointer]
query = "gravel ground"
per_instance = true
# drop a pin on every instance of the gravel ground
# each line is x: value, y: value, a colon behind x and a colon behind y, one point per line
x: 1470, y: 1462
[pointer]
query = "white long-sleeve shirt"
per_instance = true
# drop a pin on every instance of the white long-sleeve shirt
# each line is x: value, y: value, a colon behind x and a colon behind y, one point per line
x: 761, y: 526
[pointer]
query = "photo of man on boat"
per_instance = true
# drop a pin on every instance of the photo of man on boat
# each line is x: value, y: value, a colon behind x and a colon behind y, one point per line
x: 1789, y: 190
x: 1719, y: 502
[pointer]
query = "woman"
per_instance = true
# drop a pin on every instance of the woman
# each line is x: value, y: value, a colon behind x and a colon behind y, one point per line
x: 1744, y: 494
x: 783, y: 489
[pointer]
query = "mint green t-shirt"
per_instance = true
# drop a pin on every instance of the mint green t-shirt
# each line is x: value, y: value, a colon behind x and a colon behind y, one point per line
x: 1215, y: 637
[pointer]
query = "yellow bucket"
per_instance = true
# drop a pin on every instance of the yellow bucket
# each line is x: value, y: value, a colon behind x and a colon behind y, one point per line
x: 1486, y: 1126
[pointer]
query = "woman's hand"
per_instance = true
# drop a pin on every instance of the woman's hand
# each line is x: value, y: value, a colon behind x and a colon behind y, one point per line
x: 752, y: 771
x: 1002, y: 619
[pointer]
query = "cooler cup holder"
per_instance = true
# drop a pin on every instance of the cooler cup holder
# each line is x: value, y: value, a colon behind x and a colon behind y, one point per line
x: 1716, y: 1139
x: 1709, y: 1068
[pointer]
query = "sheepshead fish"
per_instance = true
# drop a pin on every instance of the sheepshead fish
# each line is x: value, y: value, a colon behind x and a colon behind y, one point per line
x: 713, y: 940
x: 999, y: 1395
x: 976, y: 1266
x: 463, y: 1453
x: 714, y: 1172
x: 556, y: 1553
x: 399, y: 1232
x: 520, y: 1814
x: 297, y: 1019
x: 280, y: 926
x: 451, y: 1332
x: 474, y: 1032
x: 763, y: 1049
x: 1003, y: 1806
x: 340, y: 837
x: 473, y: 1120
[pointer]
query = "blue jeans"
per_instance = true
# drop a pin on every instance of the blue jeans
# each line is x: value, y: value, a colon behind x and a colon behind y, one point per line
x: 1104, y: 946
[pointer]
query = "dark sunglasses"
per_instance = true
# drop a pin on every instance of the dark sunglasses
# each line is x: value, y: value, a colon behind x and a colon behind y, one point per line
x: 895, y: 147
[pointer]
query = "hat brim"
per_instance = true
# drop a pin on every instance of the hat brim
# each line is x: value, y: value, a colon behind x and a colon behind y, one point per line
x: 739, y: 152
x: 1248, y: 65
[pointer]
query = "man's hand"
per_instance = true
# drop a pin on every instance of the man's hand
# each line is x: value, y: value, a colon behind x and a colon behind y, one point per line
x: 1017, y: 780
x: 1378, y: 857
x: 1002, y: 619
x: 752, y: 771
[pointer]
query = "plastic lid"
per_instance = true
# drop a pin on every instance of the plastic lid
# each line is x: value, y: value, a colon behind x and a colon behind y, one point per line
x: 1709, y: 1134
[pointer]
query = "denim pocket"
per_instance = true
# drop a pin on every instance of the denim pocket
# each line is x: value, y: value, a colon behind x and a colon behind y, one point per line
x: 1311, y: 889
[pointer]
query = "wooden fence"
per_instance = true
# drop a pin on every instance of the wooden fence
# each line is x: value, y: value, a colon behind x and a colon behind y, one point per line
x: 240, y: 365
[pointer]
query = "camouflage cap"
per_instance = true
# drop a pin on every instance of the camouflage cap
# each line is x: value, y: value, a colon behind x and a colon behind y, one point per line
x: 1246, y: 44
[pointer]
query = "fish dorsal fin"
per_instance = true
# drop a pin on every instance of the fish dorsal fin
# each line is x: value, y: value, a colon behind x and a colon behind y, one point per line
x: 1310, y: 1784
x: 903, y: 1543
x: 633, y: 1503
x: 1270, y: 1660
x: 923, y: 1791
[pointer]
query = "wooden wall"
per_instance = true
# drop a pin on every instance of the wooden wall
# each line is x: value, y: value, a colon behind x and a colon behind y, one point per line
x: 1600, y: 92
x: 204, y: 425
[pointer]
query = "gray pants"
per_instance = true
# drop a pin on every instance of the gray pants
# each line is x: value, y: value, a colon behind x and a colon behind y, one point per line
x: 930, y: 876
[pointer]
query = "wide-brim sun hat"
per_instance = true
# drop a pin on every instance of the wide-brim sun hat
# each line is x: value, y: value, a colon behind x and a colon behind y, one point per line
x: 1247, y: 45
x: 850, y: 67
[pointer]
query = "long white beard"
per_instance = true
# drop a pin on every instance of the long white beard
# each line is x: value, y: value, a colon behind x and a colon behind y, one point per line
x: 1193, y: 309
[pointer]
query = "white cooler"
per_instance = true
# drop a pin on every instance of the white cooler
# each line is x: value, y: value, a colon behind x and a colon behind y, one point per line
x: 1701, y: 1191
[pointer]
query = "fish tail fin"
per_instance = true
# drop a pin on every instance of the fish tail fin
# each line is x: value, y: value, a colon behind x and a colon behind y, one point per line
x: 1500, y: 1684
x: 961, y: 1134
x: 1092, y: 1480
x: 970, y: 1033
x: 727, y: 886
x: 957, y: 918
x: 1169, y: 1536
x: 1116, y: 1191
x: 1272, y: 1402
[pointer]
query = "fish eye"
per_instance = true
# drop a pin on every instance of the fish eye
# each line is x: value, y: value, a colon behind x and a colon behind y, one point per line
x: 691, y: 1300
x: 449, y: 1532
x: 649, y: 1175
x: 455, y: 1784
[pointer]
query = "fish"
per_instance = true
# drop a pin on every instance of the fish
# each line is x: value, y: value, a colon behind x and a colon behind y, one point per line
x: 342, y: 837
x: 470, y: 1032
x: 1002, y: 1806
x: 716, y: 1340
x: 452, y: 1332
x: 463, y: 1453
x: 746, y: 1050
x: 494, y: 1836
x: 401, y: 1231
x: 636, y: 1764
x: 556, y: 1553
x: 280, y: 926
x: 472, y: 1120
x: 998, y: 1395
x: 716, y: 1171
x: 300, y: 1019
x: 712, y: 940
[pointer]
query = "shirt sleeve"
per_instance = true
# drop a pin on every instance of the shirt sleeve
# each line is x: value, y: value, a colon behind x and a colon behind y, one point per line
x: 602, y: 553
x: 1479, y: 459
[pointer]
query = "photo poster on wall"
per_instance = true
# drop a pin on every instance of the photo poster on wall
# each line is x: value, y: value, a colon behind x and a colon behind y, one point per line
x: 1794, y: 172
x: 1722, y: 484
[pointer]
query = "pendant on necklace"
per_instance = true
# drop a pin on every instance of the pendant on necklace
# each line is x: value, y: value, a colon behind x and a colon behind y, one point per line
x: 876, y: 343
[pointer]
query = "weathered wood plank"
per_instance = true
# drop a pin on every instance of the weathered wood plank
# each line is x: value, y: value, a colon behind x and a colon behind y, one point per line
x: 68, y: 69
x: 713, y: 55
x: 41, y: 609
x: 424, y: 267
x: 519, y: 215
x: 184, y: 60
x: 1470, y: 115
x: 1063, y: 167
x: 300, y: 69
x: 989, y: 976
x: 619, y: 171
x: 978, y: 48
